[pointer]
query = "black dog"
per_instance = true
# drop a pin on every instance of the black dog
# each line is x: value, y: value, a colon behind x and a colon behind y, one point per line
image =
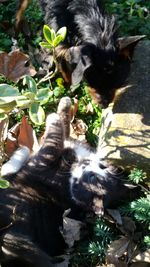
x: 92, y: 50
x: 61, y: 175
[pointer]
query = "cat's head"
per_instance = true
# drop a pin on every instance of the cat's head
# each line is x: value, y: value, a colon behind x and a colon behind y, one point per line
x: 95, y: 186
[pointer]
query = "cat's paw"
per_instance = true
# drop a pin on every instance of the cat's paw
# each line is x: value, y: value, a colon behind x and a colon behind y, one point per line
x: 64, y: 105
x: 52, y: 119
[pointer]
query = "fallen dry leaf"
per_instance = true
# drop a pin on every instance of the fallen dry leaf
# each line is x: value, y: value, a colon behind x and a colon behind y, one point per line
x: 11, y: 143
x: 78, y: 130
x: 143, y: 257
x: 64, y: 263
x: 72, y: 230
x: 26, y: 135
x: 117, y: 248
x: 128, y: 226
x: 115, y: 214
x: 121, y: 252
x: 140, y: 264
x: 74, y: 108
x: 115, y: 262
x: 15, y: 65
x: 21, y: 134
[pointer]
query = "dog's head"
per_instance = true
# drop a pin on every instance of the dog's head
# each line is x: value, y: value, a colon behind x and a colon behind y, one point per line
x: 105, y: 69
x: 95, y: 186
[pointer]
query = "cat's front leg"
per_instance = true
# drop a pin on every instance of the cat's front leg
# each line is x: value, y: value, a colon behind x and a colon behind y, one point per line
x: 53, y: 139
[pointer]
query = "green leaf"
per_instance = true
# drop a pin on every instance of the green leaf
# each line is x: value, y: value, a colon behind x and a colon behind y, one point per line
x: 4, y: 184
x: 29, y: 95
x: 60, y: 82
x: 23, y: 102
x: 49, y: 34
x: 46, y: 45
x: 37, y: 114
x: 3, y: 116
x: 43, y: 95
x: 57, y: 91
x: 57, y: 40
x: 62, y: 32
x: 7, y: 106
x: 30, y: 83
x: 8, y: 90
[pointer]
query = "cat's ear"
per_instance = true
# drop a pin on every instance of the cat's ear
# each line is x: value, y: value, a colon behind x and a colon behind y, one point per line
x: 80, y: 61
x: 127, y: 45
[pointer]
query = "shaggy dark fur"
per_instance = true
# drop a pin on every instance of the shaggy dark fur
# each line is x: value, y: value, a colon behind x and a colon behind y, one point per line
x: 53, y: 180
x: 92, y: 50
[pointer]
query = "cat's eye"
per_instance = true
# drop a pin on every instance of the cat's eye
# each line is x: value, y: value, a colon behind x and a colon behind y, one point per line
x: 92, y: 178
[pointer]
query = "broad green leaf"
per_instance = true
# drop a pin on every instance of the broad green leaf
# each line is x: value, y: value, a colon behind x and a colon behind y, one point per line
x: 43, y: 95
x: 3, y: 116
x: 57, y: 40
x: 29, y: 95
x: 36, y: 113
x: 60, y: 82
x: 7, y: 99
x: 57, y: 92
x: 49, y: 34
x: 23, y: 102
x: 62, y: 32
x: 8, y: 90
x: 30, y: 83
x: 4, y: 184
x: 7, y: 106
x: 46, y: 45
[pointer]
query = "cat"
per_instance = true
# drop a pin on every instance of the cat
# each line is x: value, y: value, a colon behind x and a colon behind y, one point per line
x: 92, y: 50
x: 63, y: 174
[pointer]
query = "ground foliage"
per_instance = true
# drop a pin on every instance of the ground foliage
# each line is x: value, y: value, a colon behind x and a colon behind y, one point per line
x: 114, y: 239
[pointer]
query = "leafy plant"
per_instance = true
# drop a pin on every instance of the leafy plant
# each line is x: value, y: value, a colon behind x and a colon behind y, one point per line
x: 137, y: 175
x: 140, y: 209
x: 31, y: 98
x: 53, y: 39
x: 133, y: 16
x: 91, y: 252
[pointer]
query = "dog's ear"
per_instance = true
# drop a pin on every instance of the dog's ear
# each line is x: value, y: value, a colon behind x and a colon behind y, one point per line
x: 80, y: 61
x: 127, y: 45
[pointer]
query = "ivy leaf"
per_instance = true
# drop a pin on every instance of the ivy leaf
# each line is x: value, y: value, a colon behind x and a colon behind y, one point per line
x: 37, y: 114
